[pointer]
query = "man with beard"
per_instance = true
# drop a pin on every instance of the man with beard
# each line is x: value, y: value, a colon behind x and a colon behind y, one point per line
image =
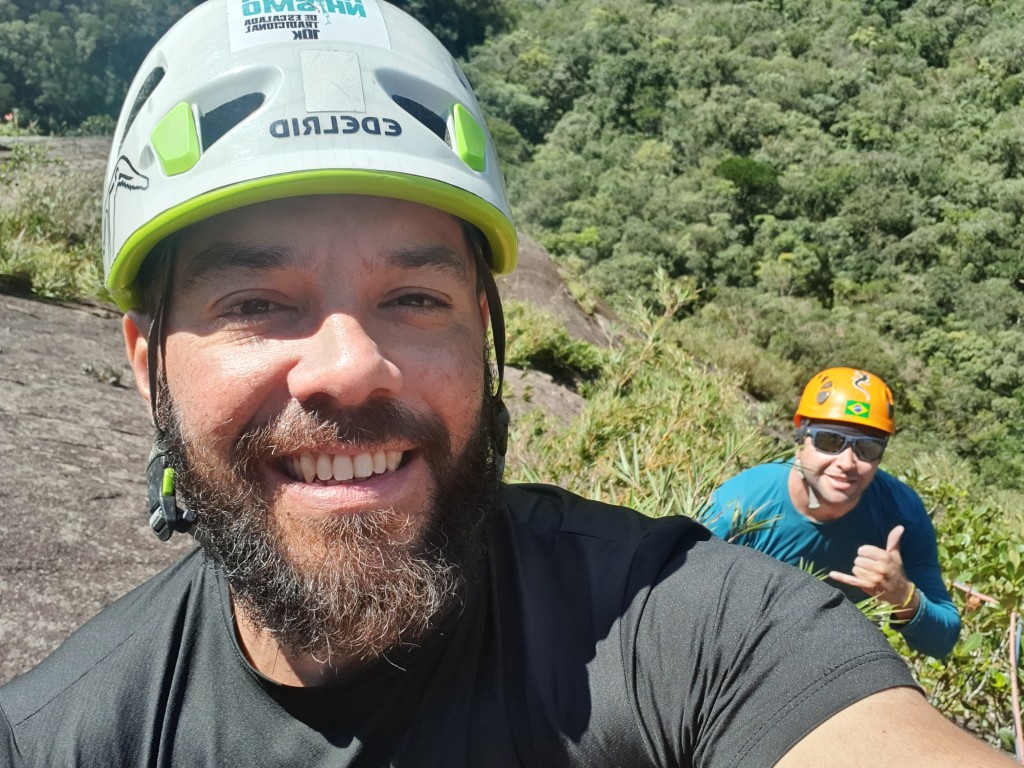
x: 304, y: 245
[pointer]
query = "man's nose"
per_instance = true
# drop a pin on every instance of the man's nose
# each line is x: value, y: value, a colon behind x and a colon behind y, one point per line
x: 343, y: 361
x: 846, y: 458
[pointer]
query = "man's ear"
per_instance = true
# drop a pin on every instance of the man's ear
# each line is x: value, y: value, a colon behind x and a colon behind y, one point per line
x: 137, y: 347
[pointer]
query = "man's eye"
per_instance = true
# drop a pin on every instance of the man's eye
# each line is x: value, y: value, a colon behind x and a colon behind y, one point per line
x: 421, y: 300
x: 252, y: 307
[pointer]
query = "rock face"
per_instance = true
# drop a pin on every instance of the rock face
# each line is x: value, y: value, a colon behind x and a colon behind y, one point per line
x: 74, y: 440
x: 536, y: 281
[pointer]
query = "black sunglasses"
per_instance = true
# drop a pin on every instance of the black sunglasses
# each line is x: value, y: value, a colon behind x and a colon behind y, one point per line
x: 833, y: 443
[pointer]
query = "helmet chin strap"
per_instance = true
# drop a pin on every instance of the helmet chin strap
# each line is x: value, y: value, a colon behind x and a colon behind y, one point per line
x: 500, y: 414
x: 165, y: 516
x: 812, y: 497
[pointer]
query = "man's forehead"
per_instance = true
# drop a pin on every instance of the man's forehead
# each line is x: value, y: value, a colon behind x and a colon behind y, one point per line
x: 222, y: 257
x: 296, y: 233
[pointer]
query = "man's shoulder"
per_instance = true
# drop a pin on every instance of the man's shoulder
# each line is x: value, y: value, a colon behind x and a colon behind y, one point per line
x: 550, y: 511
x: 102, y: 654
x: 890, y: 481
x: 894, y: 493
x: 769, y: 471
x: 762, y: 481
x: 608, y: 551
x: 557, y: 547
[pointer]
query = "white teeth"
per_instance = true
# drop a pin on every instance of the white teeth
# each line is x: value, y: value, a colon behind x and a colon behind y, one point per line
x: 392, y: 459
x: 308, y: 466
x: 362, y: 465
x: 343, y: 468
x: 325, y: 466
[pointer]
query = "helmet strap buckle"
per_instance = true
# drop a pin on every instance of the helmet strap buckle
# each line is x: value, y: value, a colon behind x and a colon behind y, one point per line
x: 165, y: 516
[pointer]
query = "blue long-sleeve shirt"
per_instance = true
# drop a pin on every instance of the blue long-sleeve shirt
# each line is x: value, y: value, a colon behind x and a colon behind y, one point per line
x: 832, y: 546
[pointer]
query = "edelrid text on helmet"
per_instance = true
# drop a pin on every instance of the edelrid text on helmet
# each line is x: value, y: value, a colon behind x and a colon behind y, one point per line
x: 847, y: 395
x: 245, y: 101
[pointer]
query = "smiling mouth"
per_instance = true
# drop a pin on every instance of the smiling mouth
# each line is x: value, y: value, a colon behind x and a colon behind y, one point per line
x: 842, y: 480
x: 342, y: 467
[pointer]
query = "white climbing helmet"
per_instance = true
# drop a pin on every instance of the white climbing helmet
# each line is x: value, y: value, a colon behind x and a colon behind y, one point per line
x: 245, y: 101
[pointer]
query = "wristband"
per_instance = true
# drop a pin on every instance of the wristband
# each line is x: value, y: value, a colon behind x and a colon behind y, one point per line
x: 910, y: 596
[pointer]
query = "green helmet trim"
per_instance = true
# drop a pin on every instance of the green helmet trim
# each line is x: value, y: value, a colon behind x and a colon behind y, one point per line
x: 499, y: 231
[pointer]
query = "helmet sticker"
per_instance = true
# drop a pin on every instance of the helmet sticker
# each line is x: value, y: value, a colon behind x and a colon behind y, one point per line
x: 257, y: 22
x: 125, y: 176
x: 332, y: 81
x: 858, y: 409
x: 860, y: 379
x: 824, y: 391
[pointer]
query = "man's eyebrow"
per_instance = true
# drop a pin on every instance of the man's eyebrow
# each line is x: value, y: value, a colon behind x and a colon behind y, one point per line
x: 227, y: 257
x: 429, y: 257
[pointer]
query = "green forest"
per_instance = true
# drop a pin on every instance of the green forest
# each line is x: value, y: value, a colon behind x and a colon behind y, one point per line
x: 761, y: 190
x: 842, y: 182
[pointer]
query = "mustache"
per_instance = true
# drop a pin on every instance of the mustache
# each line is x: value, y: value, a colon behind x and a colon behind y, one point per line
x: 301, y: 427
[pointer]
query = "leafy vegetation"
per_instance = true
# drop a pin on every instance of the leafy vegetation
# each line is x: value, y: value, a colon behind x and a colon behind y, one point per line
x: 977, y: 547
x: 49, y: 226
x: 842, y: 180
x: 537, y: 341
x: 63, y: 63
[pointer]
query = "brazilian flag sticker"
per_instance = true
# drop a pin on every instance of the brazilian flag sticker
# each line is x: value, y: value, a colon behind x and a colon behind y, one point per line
x: 858, y: 409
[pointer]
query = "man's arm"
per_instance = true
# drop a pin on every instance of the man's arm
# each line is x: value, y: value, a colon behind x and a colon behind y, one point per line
x: 895, y: 727
x: 935, y: 627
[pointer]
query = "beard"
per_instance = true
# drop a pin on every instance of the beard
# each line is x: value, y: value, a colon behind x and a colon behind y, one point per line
x: 353, y: 586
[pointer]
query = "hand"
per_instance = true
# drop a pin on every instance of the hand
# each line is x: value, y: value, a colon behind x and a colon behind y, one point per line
x: 879, y: 572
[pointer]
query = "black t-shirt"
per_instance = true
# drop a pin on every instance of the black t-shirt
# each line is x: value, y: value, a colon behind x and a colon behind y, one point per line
x: 597, y: 637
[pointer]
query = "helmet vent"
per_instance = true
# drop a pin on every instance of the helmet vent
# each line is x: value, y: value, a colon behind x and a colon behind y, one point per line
x: 148, y: 86
x: 218, y: 121
x: 430, y: 119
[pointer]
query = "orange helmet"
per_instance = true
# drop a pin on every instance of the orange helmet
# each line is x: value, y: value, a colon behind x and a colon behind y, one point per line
x: 846, y: 394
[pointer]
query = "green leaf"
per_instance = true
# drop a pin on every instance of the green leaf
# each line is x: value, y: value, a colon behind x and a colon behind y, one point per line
x: 971, y: 644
